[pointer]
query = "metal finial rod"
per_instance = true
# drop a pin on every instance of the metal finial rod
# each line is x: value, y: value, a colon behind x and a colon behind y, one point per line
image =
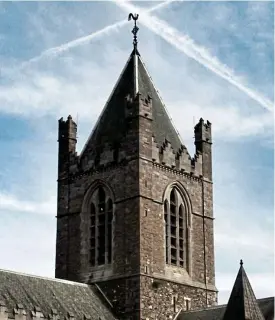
x: 241, y: 262
x: 135, y: 29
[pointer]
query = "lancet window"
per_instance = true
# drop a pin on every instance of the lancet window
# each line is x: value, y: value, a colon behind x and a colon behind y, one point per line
x: 176, y: 236
x: 101, y: 228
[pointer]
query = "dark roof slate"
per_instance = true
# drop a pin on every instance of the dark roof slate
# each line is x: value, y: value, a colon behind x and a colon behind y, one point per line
x: 49, y: 294
x: 242, y: 302
x: 162, y: 124
x: 216, y: 313
x: 111, y: 125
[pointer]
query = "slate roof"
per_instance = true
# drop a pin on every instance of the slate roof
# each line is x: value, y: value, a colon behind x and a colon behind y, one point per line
x: 216, y: 313
x: 51, y: 294
x: 242, y: 303
x: 162, y: 124
x: 111, y: 125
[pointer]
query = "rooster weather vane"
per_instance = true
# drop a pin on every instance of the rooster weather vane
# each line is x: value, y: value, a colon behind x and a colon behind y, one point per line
x: 135, y: 29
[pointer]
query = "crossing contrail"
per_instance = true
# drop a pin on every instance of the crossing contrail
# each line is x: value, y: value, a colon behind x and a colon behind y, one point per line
x: 200, y: 54
x: 86, y: 39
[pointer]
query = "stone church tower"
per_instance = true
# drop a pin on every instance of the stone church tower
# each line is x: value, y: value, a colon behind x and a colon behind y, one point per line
x: 135, y: 211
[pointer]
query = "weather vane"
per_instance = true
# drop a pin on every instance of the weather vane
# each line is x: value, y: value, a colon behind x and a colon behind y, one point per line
x: 135, y: 29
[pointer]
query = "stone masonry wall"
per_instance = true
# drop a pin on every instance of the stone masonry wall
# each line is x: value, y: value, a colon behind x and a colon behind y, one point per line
x: 164, y: 299
x: 156, y: 179
x: 124, y: 293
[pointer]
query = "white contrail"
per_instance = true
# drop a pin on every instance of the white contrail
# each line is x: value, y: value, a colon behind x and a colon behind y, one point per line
x: 86, y: 39
x: 185, y: 44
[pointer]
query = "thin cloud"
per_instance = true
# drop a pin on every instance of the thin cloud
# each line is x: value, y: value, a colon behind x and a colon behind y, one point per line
x: 86, y: 39
x: 200, y: 54
x: 8, y: 202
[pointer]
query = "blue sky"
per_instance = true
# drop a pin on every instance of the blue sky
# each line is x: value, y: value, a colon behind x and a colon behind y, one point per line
x: 208, y: 59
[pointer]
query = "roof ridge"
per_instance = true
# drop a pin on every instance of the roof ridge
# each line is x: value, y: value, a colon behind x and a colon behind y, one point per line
x: 222, y: 306
x: 206, y: 308
x: 266, y: 298
x: 45, y: 278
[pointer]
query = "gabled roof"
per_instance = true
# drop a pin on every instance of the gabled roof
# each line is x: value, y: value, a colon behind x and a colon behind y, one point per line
x: 111, y: 124
x: 242, y: 303
x: 217, y: 312
x: 51, y: 295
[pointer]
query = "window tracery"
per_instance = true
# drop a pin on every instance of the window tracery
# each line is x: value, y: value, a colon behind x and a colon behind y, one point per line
x: 101, y: 228
x: 176, y: 233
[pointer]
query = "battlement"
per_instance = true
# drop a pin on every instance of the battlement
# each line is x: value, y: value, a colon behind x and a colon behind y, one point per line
x: 180, y: 159
x: 67, y: 130
x: 176, y: 159
x: 167, y: 155
x: 114, y: 153
x: 101, y: 157
x: 203, y: 131
x: 203, y: 142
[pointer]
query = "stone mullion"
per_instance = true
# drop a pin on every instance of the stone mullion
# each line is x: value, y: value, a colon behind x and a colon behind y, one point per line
x: 92, y: 233
x: 186, y: 248
x: 112, y: 235
x: 185, y: 234
x: 96, y: 230
x: 106, y: 212
x: 177, y: 231
x: 169, y: 232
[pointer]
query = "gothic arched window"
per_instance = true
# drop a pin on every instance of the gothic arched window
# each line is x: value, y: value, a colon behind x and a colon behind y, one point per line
x: 175, y: 216
x: 101, y: 228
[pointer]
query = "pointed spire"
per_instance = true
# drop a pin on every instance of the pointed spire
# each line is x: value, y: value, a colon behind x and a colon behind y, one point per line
x: 242, y: 304
x: 133, y: 80
x: 135, y: 29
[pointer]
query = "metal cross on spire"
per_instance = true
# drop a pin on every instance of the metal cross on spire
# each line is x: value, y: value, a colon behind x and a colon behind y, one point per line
x: 135, y: 29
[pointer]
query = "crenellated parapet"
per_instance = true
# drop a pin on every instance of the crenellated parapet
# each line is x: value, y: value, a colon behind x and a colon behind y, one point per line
x: 167, y: 155
x: 197, y: 164
x: 108, y: 154
x: 203, y: 143
x: 180, y: 159
x: 203, y: 132
x: 155, y: 150
x: 183, y: 160
x: 67, y: 140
